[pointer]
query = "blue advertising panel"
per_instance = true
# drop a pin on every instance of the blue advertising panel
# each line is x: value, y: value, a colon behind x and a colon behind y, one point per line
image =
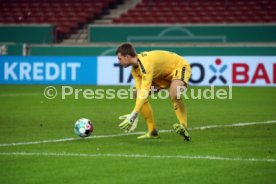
x: 48, y: 70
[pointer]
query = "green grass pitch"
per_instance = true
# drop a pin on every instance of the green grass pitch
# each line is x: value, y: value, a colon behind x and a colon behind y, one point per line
x: 220, y: 154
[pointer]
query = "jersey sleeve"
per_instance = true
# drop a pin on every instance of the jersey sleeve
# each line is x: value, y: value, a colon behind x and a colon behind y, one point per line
x: 145, y: 84
x: 137, y: 79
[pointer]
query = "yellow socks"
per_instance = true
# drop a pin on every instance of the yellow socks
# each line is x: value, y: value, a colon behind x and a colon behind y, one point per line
x: 180, y: 111
x: 146, y: 111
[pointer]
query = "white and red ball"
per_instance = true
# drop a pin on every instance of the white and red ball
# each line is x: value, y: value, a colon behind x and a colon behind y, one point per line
x: 83, y: 127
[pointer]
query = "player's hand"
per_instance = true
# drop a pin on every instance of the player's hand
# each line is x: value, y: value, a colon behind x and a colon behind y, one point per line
x: 130, y: 122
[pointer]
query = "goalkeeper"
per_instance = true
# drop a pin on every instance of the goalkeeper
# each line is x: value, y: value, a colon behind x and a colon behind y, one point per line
x: 162, y: 69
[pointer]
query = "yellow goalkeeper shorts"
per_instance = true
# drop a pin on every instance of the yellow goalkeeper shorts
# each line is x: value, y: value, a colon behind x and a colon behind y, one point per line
x: 182, y: 73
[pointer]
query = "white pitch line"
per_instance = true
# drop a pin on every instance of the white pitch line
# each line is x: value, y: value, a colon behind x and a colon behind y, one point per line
x: 233, y: 125
x: 201, y: 157
x: 135, y: 133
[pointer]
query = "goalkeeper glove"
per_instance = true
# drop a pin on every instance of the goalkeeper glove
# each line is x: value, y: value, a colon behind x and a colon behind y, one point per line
x: 130, y: 122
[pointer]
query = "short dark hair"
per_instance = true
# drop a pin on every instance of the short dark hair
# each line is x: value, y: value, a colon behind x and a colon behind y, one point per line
x: 126, y: 49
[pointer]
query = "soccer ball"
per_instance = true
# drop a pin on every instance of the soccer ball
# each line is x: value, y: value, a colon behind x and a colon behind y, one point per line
x: 83, y: 127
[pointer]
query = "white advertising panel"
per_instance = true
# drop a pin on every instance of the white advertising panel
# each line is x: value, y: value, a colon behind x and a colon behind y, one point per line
x: 206, y: 70
x: 111, y: 73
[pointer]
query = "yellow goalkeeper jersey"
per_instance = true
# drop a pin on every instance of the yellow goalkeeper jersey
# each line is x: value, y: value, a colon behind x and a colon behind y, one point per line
x: 158, y: 68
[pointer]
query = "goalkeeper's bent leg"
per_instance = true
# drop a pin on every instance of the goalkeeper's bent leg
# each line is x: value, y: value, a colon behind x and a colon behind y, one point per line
x: 147, y: 113
x: 181, y: 114
x: 180, y: 111
x: 179, y: 107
